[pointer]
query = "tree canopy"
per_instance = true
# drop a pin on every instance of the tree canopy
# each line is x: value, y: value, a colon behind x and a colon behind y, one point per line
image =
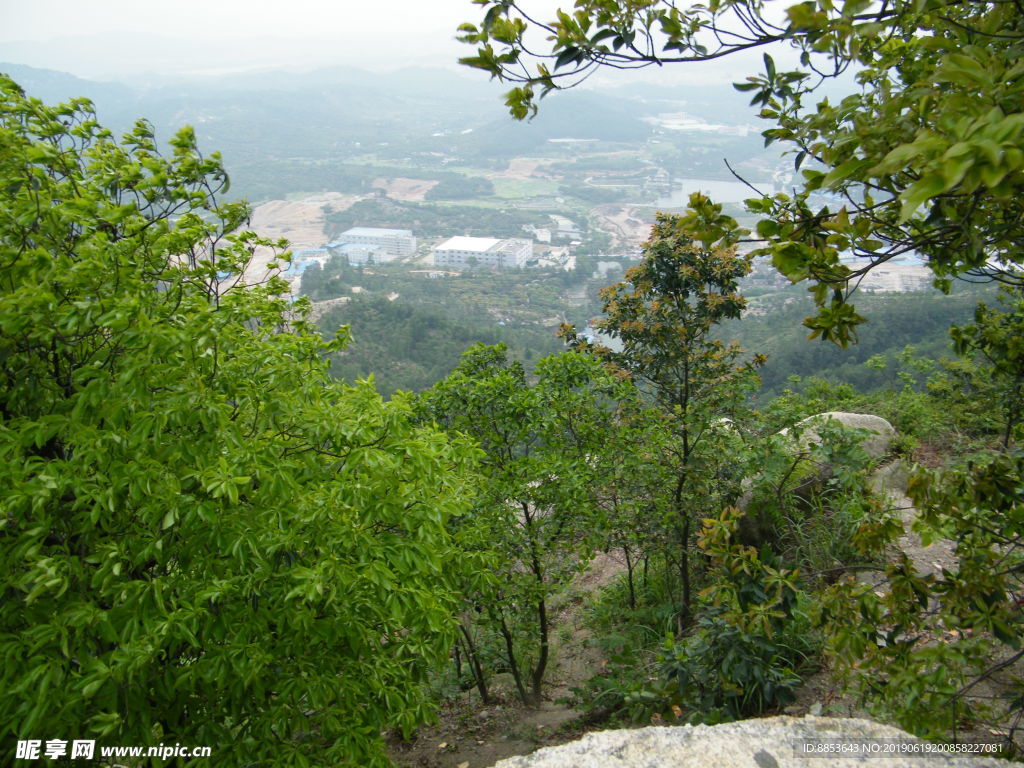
x: 203, y: 538
x: 924, y: 157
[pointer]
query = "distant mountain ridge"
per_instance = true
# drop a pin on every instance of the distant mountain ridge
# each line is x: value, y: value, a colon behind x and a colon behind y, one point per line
x: 330, y: 113
x: 282, y: 132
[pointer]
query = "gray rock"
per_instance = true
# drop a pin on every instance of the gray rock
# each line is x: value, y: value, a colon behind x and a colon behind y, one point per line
x: 876, y: 445
x: 755, y: 526
x: 774, y: 742
x: 890, y: 478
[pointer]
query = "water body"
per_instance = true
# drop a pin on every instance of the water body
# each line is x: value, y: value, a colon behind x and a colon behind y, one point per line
x: 719, y: 191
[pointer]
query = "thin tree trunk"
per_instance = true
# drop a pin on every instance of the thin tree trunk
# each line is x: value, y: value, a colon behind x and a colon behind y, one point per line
x: 513, y: 665
x: 537, y: 673
x: 1012, y: 415
x: 542, y: 658
x: 629, y: 579
x: 684, y: 517
x: 474, y: 665
x: 458, y: 661
x: 683, y: 618
x: 684, y: 575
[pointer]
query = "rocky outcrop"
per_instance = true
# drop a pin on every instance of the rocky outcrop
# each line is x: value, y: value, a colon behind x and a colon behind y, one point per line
x: 756, y: 524
x: 774, y: 742
x: 876, y: 445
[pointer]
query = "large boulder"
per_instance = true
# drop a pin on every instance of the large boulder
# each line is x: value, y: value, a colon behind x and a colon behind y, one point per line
x: 756, y: 524
x: 876, y: 445
x: 774, y: 742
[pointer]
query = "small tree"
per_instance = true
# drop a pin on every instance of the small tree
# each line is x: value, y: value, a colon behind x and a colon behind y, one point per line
x: 545, y: 447
x: 633, y: 495
x: 663, y: 318
x: 203, y: 539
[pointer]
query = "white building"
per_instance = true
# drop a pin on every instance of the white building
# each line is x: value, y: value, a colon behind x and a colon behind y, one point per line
x: 361, y: 254
x: 897, y: 278
x: 483, y: 252
x: 389, y: 242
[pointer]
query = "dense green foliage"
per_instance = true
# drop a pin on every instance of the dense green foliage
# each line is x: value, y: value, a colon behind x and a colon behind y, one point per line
x: 740, y: 660
x: 997, y: 337
x: 920, y: 319
x: 591, y: 194
x: 203, y: 538
x: 415, y: 340
x: 410, y: 330
x: 545, y: 447
x: 460, y: 188
x: 916, y: 651
x: 266, y: 178
x: 410, y: 347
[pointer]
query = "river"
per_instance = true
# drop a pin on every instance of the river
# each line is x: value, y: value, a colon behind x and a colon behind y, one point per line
x: 719, y: 191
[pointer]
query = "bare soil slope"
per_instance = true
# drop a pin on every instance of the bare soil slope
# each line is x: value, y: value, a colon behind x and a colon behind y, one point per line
x: 301, y: 222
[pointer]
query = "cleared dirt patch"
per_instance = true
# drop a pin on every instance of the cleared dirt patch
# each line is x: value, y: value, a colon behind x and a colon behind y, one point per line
x: 409, y: 190
x: 301, y: 222
x: 521, y: 168
x: 628, y: 226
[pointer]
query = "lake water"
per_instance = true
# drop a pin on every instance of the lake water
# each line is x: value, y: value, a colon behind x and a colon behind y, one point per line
x: 719, y: 191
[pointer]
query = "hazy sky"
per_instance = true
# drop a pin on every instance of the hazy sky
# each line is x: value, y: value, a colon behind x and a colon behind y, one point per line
x: 349, y: 20
x: 96, y: 37
x: 118, y: 38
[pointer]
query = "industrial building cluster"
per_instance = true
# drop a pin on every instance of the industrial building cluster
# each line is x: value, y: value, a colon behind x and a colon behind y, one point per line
x: 371, y: 245
x: 363, y: 245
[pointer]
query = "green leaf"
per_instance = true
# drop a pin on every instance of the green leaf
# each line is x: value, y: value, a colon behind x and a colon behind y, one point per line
x: 844, y: 172
x: 919, y: 193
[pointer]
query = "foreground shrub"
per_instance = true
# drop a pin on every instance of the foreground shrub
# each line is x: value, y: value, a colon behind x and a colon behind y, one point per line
x: 203, y: 539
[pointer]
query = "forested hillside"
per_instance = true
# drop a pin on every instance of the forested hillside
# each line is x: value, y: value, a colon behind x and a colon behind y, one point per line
x: 895, y: 321
x: 413, y: 340
x: 435, y: 220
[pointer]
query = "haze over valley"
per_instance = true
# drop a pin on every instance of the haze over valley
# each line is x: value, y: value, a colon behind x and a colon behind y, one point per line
x: 434, y: 152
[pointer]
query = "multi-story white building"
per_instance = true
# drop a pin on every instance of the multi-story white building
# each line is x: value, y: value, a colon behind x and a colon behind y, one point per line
x: 389, y: 242
x: 483, y: 252
x: 897, y: 278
